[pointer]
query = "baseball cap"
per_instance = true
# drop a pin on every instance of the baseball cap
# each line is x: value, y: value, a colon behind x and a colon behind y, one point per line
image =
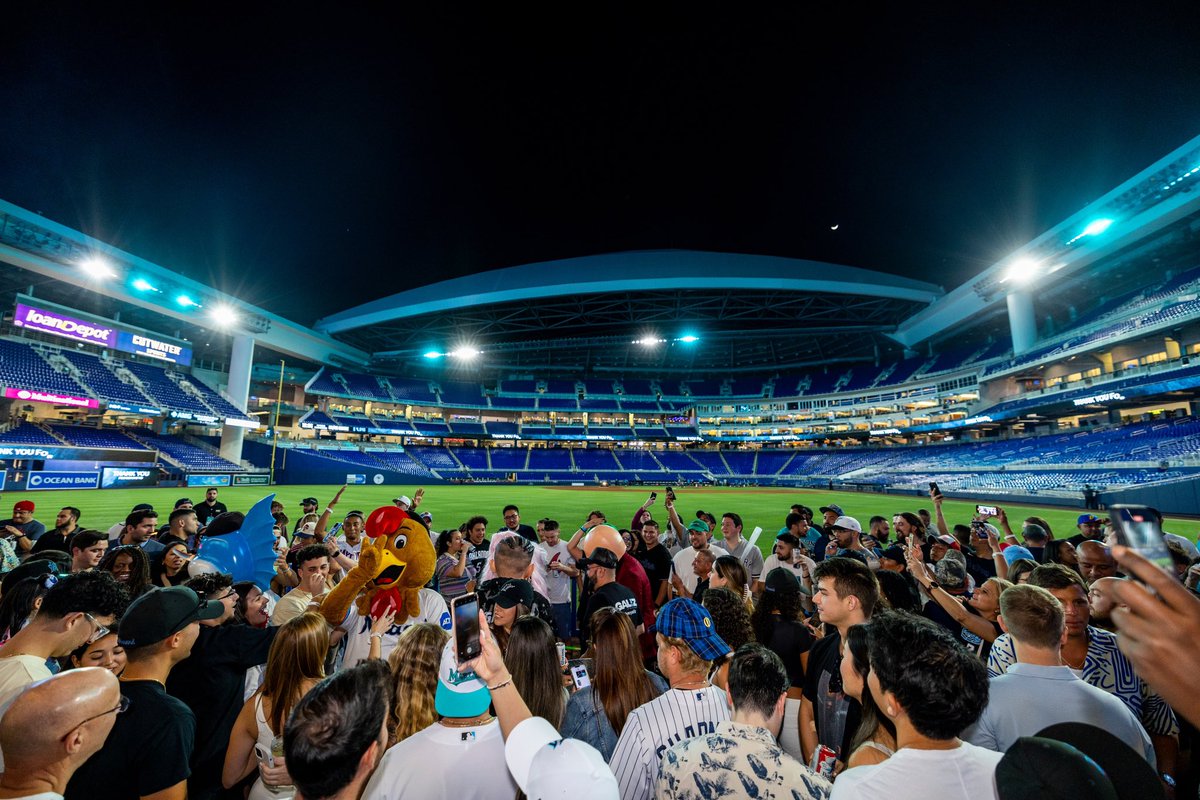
x: 698, y: 525
x: 788, y: 537
x: 781, y: 581
x: 159, y: 613
x: 950, y: 571
x: 948, y: 540
x: 142, y: 507
x: 893, y: 553
x: 601, y: 557
x: 307, y: 529
x: 403, y: 500
x: 309, y: 501
x: 24, y: 505
x: 848, y: 523
x: 33, y: 568
x: 688, y: 620
x: 183, y: 500
x: 426, y: 517
x: 1130, y: 774
x: 547, y: 766
x: 1035, y: 768
x: 835, y: 509
x: 459, y: 694
x: 514, y: 592
x: 1086, y: 518
x: 1015, y: 552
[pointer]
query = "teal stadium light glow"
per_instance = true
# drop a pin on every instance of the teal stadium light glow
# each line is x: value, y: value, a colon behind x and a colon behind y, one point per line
x: 143, y: 285
x: 1094, y: 228
x: 186, y: 301
x: 434, y: 354
x: 689, y: 338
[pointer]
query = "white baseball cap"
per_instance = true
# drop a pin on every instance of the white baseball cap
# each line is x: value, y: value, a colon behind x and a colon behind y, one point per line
x: 847, y: 523
x: 404, y: 500
x: 547, y: 766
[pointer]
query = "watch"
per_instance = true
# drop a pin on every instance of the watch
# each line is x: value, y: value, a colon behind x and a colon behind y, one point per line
x: 934, y: 585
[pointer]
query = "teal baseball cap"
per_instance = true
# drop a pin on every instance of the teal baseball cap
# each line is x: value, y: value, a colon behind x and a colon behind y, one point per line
x: 459, y: 694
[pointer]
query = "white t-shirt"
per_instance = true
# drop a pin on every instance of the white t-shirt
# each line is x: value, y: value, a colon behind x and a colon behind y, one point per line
x: 358, y: 628
x: 350, y: 551
x: 683, y: 561
x: 653, y: 727
x: 797, y: 565
x: 456, y: 763
x: 17, y: 673
x: 558, y: 584
x: 965, y: 773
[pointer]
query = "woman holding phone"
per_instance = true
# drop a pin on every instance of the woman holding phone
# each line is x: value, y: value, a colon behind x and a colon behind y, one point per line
x: 170, y: 567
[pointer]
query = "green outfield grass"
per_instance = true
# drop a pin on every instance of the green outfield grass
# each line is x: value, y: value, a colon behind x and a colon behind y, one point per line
x: 450, y: 505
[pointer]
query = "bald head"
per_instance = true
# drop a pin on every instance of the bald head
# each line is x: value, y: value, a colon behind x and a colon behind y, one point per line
x: 1101, y: 598
x: 45, y: 725
x: 1095, y: 561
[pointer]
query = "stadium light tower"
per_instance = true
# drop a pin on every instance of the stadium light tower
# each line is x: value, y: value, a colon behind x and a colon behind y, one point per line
x: 186, y: 301
x: 143, y: 285
x: 465, y: 353
x: 1022, y: 271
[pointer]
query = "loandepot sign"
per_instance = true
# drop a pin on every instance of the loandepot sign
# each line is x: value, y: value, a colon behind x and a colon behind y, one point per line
x: 80, y: 327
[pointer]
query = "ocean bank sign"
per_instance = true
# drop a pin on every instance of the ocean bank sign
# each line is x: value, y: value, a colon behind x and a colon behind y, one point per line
x: 63, y: 480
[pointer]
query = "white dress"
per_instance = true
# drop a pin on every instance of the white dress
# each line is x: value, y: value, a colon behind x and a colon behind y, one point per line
x: 265, y: 735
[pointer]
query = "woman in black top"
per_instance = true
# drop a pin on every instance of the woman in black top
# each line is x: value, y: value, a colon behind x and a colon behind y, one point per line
x: 779, y: 624
x: 170, y: 566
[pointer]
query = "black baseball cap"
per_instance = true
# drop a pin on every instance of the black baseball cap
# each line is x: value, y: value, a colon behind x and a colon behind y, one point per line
x: 141, y: 507
x: 781, y: 581
x: 160, y: 613
x: 514, y: 592
x: 601, y: 557
x: 183, y: 500
x: 34, y: 568
x: 309, y: 501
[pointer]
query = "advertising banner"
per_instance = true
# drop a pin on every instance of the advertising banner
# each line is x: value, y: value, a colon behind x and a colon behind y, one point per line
x: 46, y: 397
x: 68, y: 327
x: 63, y: 480
x: 356, y: 480
x: 123, y: 477
x: 147, y: 410
x: 142, y: 345
x: 208, y: 480
x: 254, y: 479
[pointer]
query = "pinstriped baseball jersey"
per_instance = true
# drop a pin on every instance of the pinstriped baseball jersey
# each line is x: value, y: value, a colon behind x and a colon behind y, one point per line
x: 670, y: 718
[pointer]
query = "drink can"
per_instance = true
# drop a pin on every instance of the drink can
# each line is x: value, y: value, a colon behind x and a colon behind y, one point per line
x: 823, y: 761
x: 562, y: 654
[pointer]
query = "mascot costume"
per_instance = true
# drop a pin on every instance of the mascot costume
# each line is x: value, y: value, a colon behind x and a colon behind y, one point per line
x: 394, y: 564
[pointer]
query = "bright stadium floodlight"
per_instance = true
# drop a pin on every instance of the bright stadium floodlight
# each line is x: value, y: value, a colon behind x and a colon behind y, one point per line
x: 186, y: 301
x: 434, y: 354
x: 143, y: 285
x: 1023, y: 270
x: 1094, y: 228
x: 224, y: 316
x: 689, y: 338
x: 465, y: 353
x: 97, y: 268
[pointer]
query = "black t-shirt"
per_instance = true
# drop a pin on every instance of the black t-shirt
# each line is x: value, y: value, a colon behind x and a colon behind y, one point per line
x: 528, y: 531
x: 657, y: 564
x: 206, y: 513
x: 789, y: 639
x: 51, y: 540
x: 613, y: 595
x: 147, y: 751
x: 212, y: 681
x: 477, y: 558
x: 487, y: 591
x: 836, y: 714
x: 980, y: 568
x: 701, y: 588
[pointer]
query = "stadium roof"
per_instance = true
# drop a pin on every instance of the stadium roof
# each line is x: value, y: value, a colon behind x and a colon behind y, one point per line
x: 802, y: 310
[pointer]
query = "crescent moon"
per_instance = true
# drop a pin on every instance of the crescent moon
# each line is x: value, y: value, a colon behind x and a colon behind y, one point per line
x: 834, y: 227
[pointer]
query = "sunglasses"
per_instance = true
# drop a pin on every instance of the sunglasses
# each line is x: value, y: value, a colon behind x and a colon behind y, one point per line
x: 100, y: 632
x: 120, y: 708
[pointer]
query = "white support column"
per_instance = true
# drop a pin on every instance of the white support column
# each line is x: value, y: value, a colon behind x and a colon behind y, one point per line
x: 1021, y: 323
x: 241, y: 361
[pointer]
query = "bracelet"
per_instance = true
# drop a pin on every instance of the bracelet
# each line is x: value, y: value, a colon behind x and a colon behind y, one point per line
x: 378, y: 636
x: 997, y: 555
x: 500, y: 685
x: 329, y: 510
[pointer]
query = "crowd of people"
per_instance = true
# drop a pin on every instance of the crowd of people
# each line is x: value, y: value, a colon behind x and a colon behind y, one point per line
x: 910, y: 657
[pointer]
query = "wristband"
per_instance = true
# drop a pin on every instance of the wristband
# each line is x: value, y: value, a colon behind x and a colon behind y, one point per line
x: 500, y: 685
x: 329, y: 510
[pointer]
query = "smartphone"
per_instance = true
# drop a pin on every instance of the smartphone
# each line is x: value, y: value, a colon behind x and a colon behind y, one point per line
x: 466, y: 627
x: 1138, y: 528
x: 933, y: 487
x: 579, y: 674
x: 337, y: 526
x: 263, y: 755
x: 654, y: 495
x: 987, y: 511
x: 671, y: 493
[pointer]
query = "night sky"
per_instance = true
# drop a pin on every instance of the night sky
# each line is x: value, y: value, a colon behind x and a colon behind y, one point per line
x: 308, y: 159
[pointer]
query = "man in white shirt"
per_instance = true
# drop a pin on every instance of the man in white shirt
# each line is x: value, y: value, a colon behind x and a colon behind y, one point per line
x: 687, y: 646
x: 739, y: 548
x: 557, y: 569
x: 1039, y: 690
x: 312, y: 565
x: 787, y: 554
x: 698, y: 534
x: 930, y: 688
x: 460, y: 756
